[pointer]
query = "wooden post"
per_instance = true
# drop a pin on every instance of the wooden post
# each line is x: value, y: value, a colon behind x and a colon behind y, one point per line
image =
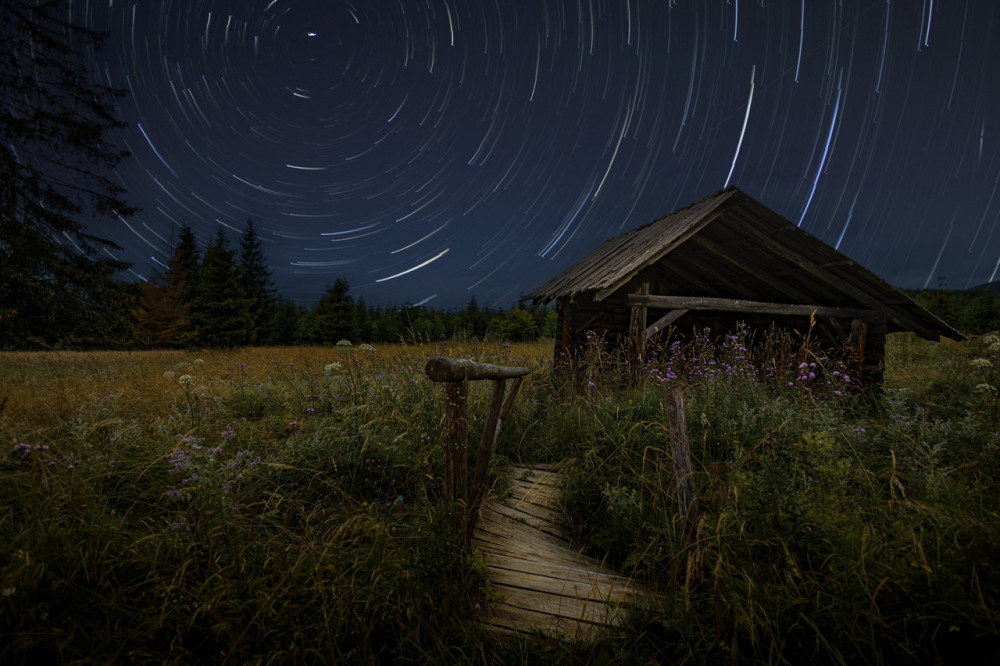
x: 456, y: 469
x: 687, y: 498
x: 637, y: 326
x: 490, y: 431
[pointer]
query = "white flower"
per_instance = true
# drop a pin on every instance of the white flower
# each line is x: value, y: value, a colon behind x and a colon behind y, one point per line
x: 365, y: 347
x: 981, y: 363
x: 984, y: 388
x: 187, y: 381
x: 199, y: 361
x: 331, y: 368
x: 343, y: 343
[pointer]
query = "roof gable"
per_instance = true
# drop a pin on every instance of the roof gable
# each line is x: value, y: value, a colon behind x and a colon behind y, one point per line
x: 732, y: 246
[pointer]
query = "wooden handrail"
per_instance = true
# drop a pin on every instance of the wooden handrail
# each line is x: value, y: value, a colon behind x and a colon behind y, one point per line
x: 456, y: 373
x: 446, y: 369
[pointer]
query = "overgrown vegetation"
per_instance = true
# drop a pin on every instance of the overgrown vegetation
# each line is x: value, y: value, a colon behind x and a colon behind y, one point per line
x: 284, y: 504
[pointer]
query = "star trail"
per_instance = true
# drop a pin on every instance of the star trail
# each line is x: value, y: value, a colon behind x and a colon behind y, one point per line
x: 433, y: 150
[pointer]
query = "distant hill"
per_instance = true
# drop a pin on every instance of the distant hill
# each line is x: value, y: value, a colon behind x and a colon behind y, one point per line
x: 992, y: 287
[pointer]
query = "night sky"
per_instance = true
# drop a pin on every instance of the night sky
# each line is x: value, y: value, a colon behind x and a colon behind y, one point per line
x: 433, y: 150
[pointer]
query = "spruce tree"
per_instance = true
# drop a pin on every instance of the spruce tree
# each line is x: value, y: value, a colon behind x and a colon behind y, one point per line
x: 54, y: 172
x: 220, y: 314
x: 256, y: 285
x: 162, y: 316
x: 334, y: 317
x: 182, y: 271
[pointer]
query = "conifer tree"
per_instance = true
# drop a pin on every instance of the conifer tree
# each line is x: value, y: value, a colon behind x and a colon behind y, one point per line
x: 256, y: 285
x: 55, y: 161
x: 162, y: 318
x: 182, y: 271
x: 334, y: 317
x: 219, y: 312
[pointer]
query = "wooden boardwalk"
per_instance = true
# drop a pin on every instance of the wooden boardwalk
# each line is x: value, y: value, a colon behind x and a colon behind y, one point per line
x: 547, y: 586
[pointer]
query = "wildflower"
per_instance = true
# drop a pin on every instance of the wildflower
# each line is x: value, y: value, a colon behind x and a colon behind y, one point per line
x: 980, y: 363
x: 343, y: 343
x: 984, y: 388
x: 331, y: 368
x: 293, y: 424
x: 187, y: 381
x: 365, y: 347
x: 199, y: 361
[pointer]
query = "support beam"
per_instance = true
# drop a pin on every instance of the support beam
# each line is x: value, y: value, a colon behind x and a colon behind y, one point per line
x: 756, y: 307
x: 663, y: 322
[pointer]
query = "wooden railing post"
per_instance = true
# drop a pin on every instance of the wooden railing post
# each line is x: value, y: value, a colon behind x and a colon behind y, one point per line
x: 456, y: 426
x: 456, y: 374
x: 687, y: 498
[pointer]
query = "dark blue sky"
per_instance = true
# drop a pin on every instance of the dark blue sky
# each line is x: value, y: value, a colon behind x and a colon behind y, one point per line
x: 432, y: 150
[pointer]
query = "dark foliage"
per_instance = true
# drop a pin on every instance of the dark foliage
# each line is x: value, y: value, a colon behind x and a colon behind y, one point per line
x: 54, y: 287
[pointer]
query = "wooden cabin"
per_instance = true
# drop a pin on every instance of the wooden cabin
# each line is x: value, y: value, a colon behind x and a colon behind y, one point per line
x: 725, y: 260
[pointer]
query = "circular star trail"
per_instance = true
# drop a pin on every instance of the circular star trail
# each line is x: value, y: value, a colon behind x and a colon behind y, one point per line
x: 434, y: 150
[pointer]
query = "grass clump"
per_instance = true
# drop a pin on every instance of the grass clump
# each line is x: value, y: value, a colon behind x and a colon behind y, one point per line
x: 834, y: 525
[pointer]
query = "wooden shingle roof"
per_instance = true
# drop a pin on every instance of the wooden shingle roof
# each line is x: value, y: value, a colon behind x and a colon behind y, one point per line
x: 729, y: 245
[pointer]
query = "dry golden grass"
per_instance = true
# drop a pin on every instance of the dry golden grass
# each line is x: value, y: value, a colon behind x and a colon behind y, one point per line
x: 48, y: 387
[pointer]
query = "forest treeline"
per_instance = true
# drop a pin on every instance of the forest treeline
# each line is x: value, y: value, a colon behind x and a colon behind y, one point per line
x: 224, y: 296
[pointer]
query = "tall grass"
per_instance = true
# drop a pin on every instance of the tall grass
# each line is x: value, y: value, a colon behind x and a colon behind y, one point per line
x: 284, y: 505
x: 835, y: 525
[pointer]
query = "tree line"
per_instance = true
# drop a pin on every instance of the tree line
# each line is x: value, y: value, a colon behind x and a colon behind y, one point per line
x: 225, y: 297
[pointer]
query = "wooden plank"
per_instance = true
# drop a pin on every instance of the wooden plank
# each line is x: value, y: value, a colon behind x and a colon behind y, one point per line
x: 664, y: 321
x: 500, y: 521
x: 557, y: 572
x: 758, y: 307
x: 586, y: 610
x: 574, y: 589
x: 521, y: 621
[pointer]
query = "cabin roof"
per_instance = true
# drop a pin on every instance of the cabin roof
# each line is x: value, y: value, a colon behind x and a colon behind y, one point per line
x: 728, y: 245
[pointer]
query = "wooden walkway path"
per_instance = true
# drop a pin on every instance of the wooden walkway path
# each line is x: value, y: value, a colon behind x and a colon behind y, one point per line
x: 546, y: 585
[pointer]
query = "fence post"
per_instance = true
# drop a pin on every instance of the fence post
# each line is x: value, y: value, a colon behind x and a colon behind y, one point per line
x: 456, y: 425
x: 687, y: 498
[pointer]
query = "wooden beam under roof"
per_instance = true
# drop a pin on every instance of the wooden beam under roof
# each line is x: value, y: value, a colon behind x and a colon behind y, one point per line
x: 756, y: 307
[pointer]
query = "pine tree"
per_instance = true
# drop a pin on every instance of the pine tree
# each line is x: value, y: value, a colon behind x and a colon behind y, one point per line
x: 162, y: 316
x: 334, y: 317
x: 182, y: 272
x: 256, y: 285
x: 54, y: 172
x: 220, y: 314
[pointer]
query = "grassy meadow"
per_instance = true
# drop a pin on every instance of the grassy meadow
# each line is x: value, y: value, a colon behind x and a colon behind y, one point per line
x: 283, y: 505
